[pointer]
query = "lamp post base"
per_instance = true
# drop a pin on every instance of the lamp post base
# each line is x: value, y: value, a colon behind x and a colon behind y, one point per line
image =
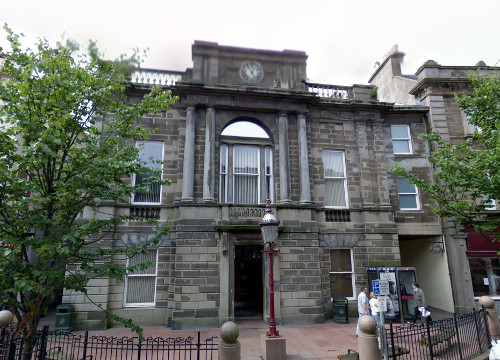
x: 273, y: 348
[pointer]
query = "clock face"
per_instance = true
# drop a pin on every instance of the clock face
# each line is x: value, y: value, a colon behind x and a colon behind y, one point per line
x: 251, y: 72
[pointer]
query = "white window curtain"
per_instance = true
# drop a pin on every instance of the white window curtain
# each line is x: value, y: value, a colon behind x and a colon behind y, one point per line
x: 408, y: 195
x: 223, y: 174
x: 150, y: 156
x: 335, y: 179
x: 246, y: 165
x: 401, y: 140
x: 140, y: 286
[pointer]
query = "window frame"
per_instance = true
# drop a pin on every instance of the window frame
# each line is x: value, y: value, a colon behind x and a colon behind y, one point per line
x: 408, y: 139
x: 416, y: 194
x: 228, y: 177
x: 129, y: 275
x: 137, y: 143
x: 353, y: 277
x: 481, y: 261
x: 470, y: 129
x: 268, y: 176
x: 223, y: 176
x: 344, y: 178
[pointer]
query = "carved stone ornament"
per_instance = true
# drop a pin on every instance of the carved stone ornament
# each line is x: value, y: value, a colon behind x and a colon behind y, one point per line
x: 458, y: 73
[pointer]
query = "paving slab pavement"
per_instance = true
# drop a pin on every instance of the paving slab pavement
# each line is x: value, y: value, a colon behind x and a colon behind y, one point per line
x: 318, y: 342
x: 311, y: 342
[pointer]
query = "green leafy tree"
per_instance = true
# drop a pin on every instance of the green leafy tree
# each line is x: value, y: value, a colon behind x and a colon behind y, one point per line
x: 67, y: 144
x: 467, y: 174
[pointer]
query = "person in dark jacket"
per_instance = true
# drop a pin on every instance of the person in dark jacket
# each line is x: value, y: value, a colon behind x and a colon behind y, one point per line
x: 419, y: 302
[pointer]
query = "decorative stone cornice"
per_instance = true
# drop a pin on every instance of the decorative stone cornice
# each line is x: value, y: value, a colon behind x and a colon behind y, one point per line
x: 440, y: 86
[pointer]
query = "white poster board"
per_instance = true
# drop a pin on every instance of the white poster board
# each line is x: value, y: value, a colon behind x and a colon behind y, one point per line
x: 382, y: 303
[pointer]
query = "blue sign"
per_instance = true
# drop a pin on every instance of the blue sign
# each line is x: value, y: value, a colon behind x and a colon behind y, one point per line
x: 380, y: 287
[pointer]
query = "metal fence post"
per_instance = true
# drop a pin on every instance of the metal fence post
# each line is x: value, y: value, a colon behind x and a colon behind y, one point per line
x: 458, y: 336
x: 139, y: 346
x: 198, y: 347
x: 392, y: 342
x: 43, y: 343
x: 430, y: 339
x: 477, y: 330
x: 85, y: 343
x: 485, y: 315
x: 12, y: 347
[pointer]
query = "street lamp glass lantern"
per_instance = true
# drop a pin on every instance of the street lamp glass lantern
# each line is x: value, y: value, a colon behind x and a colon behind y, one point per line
x: 269, y: 233
x: 269, y: 225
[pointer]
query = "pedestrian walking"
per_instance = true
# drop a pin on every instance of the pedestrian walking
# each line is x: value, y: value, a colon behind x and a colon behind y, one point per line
x: 362, y: 306
x: 374, y: 310
x: 419, y: 302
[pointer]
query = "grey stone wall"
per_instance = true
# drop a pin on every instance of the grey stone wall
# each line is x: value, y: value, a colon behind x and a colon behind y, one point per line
x: 196, y: 276
x: 300, y: 267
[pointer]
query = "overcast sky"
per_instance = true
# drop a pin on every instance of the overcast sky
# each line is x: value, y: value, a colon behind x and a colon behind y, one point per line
x: 343, y: 39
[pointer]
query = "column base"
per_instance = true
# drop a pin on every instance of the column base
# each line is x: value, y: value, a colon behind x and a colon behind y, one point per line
x: 273, y: 348
x: 187, y: 199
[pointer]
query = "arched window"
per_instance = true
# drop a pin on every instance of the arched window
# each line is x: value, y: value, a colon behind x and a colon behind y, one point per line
x: 245, y: 128
x: 246, y: 175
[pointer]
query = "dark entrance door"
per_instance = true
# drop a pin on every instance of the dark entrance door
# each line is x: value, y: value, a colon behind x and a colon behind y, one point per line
x: 248, y: 281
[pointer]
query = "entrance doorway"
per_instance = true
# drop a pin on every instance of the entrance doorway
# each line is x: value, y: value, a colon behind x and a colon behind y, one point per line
x: 248, y: 287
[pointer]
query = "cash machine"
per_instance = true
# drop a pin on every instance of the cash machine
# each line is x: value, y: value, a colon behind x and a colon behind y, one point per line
x: 400, y: 300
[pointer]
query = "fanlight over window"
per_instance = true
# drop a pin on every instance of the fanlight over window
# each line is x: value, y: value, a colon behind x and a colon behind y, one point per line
x: 245, y: 129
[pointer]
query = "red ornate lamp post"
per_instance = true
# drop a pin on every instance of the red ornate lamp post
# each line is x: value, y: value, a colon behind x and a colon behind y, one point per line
x: 269, y: 229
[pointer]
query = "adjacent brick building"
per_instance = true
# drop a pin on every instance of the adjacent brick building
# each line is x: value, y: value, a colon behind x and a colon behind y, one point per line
x: 474, y: 265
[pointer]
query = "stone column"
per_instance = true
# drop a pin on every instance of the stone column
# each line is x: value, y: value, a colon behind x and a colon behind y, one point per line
x: 305, y: 185
x: 461, y: 280
x: 284, y: 158
x: 189, y: 149
x: 364, y: 161
x: 209, y: 158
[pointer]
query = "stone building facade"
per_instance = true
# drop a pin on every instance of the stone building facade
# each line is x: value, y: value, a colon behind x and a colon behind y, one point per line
x: 473, y: 264
x: 321, y: 157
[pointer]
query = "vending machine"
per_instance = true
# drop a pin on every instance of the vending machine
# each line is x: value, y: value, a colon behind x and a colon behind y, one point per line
x: 400, y: 298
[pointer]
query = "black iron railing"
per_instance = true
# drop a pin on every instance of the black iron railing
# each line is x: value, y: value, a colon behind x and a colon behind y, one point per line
x: 60, y: 345
x: 459, y: 337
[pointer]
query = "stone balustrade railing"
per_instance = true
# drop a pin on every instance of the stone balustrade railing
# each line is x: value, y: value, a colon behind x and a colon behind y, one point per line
x: 155, y: 77
x: 330, y: 91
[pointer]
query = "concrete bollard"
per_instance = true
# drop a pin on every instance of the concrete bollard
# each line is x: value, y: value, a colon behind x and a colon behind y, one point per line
x: 367, y: 340
x: 493, y: 321
x: 229, y: 347
x: 6, y: 317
